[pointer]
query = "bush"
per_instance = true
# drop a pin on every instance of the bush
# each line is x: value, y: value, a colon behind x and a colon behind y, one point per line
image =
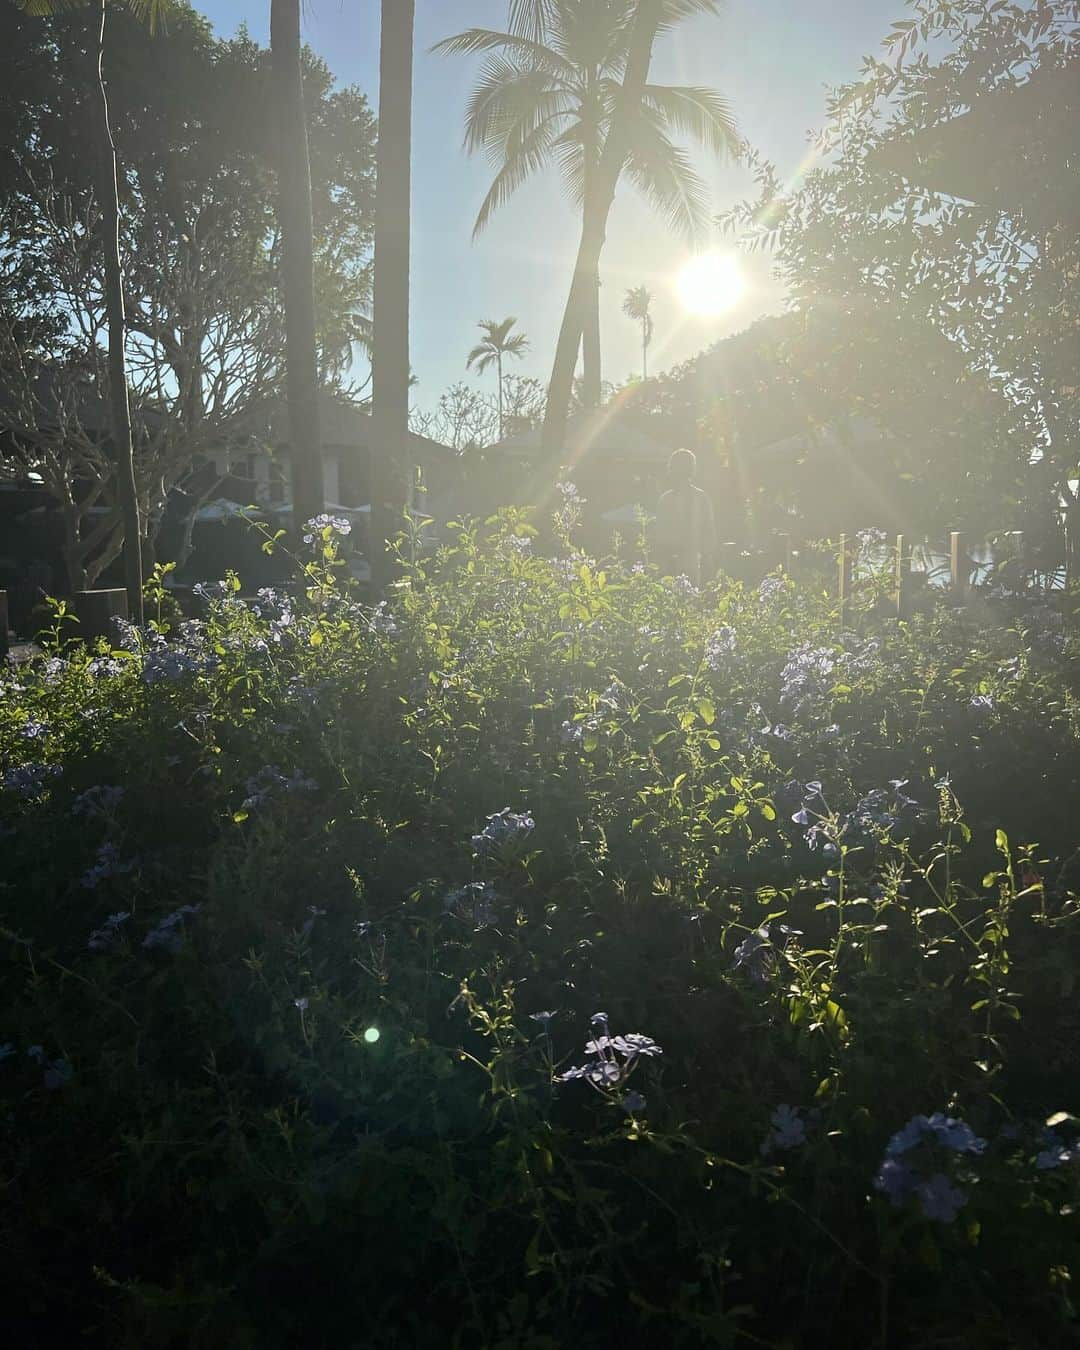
x: 554, y: 956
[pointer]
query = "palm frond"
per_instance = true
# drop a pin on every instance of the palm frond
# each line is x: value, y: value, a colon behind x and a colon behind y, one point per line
x: 495, y: 330
x: 569, y: 149
x: 474, y: 41
x: 636, y: 303
x: 480, y: 358
x: 661, y: 171
x: 532, y: 18
x: 673, y: 12
x: 699, y: 113
x: 153, y: 13
x: 507, y: 104
x: 530, y: 156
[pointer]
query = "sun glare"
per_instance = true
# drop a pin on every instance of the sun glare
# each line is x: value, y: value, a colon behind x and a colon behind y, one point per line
x: 711, y: 283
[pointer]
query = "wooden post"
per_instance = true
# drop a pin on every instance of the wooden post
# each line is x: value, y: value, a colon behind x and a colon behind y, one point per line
x: 903, y: 576
x: 957, y: 571
x: 784, y: 541
x: 4, y: 645
x: 844, y: 577
x: 95, y: 611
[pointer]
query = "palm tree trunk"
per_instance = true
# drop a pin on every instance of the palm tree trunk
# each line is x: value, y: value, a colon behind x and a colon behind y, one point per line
x: 498, y: 359
x: 390, y: 362
x: 644, y: 348
x: 591, y: 375
x: 119, y: 406
x: 297, y: 264
x: 594, y: 225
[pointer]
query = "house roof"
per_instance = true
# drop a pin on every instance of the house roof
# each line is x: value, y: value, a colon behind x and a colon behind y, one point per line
x: 57, y: 394
x: 347, y: 425
x: 608, y: 432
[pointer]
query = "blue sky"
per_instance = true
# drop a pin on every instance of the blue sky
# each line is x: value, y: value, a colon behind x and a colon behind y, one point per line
x: 772, y: 59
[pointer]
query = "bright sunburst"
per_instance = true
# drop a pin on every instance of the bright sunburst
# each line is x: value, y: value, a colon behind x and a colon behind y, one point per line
x: 710, y: 284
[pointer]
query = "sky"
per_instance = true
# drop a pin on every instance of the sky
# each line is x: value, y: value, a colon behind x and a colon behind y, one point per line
x: 773, y: 60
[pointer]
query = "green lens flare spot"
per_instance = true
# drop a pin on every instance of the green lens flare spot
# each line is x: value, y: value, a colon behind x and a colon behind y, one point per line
x: 371, y: 1035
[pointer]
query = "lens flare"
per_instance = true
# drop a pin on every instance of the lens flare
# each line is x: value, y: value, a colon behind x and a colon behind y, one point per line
x: 371, y: 1035
x: 710, y: 284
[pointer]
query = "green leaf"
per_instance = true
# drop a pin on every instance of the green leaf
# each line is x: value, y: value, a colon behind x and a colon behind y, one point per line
x: 707, y: 709
x: 766, y: 811
x: 1001, y: 840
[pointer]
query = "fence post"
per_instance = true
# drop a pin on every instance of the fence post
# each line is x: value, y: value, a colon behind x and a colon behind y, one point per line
x: 3, y: 624
x: 95, y: 611
x: 957, y: 572
x: 903, y: 574
x: 844, y: 577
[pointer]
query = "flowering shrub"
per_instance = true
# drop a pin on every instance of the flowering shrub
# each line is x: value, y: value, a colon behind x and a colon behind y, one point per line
x: 305, y: 901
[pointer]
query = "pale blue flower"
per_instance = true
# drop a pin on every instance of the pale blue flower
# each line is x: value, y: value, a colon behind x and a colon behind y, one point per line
x: 939, y: 1199
x: 30, y: 780
x: 99, y: 801
x: 475, y: 903
x: 788, y: 1128
x: 101, y: 939
x: 168, y: 935
x: 316, y: 525
x: 504, y: 833
x: 109, y: 864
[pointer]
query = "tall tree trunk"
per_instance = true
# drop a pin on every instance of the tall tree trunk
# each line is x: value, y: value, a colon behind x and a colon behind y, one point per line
x: 591, y: 374
x: 597, y: 208
x: 498, y: 359
x: 297, y: 264
x: 645, y: 348
x: 390, y: 304
x: 119, y: 406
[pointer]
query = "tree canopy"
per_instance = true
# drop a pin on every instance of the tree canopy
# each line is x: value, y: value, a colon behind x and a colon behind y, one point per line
x: 929, y: 253
x: 200, y: 242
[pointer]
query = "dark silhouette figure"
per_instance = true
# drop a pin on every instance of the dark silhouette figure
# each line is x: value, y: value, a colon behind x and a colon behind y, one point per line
x: 685, y: 525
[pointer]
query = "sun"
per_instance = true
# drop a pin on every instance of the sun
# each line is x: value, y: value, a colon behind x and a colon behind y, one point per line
x: 710, y: 284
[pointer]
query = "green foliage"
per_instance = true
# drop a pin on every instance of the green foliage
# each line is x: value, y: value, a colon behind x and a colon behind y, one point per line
x: 337, y: 1079
x: 932, y: 253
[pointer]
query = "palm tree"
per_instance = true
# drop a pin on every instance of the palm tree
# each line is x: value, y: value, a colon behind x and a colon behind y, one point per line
x: 568, y: 84
x: 151, y: 11
x: 297, y: 263
x: 635, y: 306
x: 496, y: 343
x: 390, y: 309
